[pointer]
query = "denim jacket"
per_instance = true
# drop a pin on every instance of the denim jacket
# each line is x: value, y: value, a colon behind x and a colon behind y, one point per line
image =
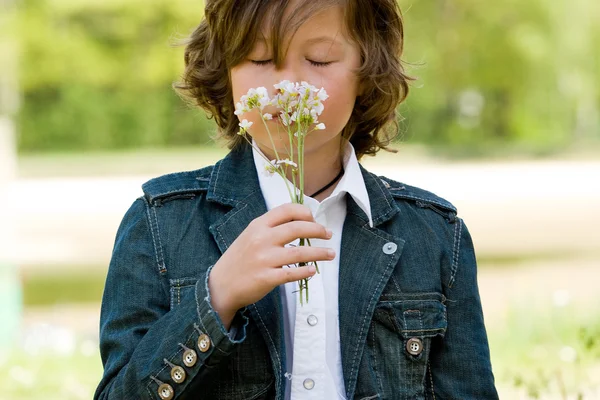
x: 411, y: 322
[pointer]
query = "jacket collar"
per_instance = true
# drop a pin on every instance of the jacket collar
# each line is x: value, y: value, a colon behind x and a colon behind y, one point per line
x: 238, y: 166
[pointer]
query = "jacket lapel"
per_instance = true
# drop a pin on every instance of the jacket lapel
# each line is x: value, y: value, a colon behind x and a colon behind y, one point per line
x: 367, y: 260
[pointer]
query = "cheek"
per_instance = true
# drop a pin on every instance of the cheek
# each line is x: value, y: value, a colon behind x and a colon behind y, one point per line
x: 339, y: 106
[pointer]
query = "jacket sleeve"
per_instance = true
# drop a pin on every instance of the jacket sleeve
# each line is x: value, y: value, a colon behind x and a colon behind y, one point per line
x: 460, y: 366
x: 138, y: 331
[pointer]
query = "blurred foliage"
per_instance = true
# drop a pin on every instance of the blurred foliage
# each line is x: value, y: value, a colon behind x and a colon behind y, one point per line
x: 98, y: 74
x: 493, y: 73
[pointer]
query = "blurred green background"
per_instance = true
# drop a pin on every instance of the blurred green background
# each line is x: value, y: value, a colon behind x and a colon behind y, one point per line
x: 521, y: 75
x: 504, y: 118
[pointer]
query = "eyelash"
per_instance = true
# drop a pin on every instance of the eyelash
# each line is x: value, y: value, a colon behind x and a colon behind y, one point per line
x: 313, y: 63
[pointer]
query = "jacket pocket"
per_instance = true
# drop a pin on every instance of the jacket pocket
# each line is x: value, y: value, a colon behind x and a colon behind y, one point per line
x: 403, y: 330
x: 181, y: 288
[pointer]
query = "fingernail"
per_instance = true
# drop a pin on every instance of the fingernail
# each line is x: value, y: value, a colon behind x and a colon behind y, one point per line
x: 312, y: 269
x: 331, y: 253
x: 329, y: 233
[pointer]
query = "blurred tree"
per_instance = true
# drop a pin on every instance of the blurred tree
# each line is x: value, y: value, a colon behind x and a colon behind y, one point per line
x: 98, y: 74
x: 502, y: 72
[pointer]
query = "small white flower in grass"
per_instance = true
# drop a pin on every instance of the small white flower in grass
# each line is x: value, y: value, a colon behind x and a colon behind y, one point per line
x: 320, y: 126
x: 267, y: 117
x: 567, y: 354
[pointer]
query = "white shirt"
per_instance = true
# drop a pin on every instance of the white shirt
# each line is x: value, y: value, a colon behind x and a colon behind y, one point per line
x: 312, y: 334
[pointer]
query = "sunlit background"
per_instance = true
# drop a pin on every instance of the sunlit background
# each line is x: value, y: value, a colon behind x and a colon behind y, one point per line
x: 503, y: 120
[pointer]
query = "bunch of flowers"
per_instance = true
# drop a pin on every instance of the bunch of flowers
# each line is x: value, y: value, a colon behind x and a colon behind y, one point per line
x: 298, y: 106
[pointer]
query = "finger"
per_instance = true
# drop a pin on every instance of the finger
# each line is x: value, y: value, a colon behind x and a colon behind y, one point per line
x: 291, y: 231
x: 286, y: 213
x: 297, y: 254
x: 285, y: 275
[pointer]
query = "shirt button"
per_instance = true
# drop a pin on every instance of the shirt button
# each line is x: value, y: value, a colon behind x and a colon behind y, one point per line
x: 308, y: 384
x: 178, y: 374
x: 189, y: 358
x: 414, y: 346
x: 390, y: 248
x: 165, y: 391
x: 203, y: 343
x: 312, y: 320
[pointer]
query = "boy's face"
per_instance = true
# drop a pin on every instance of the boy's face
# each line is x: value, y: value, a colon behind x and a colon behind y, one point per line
x: 319, y: 53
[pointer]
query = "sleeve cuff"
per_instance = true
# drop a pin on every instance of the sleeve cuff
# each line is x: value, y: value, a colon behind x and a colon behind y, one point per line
x: 211, y: 323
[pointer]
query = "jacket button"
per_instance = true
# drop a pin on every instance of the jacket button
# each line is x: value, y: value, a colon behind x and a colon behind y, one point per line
x: 189, y: 358
x: 312, y: 320
x: 390, y: 248
x: 414, y: 346
x: 165, y: 391
x: 178, y: 374
x: 203, y: 343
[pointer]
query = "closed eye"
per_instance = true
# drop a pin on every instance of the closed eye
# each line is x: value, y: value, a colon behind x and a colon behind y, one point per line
x: 260, y: 62
x: 318, y: 64
x: 314, y: 63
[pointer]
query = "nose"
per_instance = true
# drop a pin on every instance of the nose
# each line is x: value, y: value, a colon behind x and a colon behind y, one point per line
x: 288, y: 70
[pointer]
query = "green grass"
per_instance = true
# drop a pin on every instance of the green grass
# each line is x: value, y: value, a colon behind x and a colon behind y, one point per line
x: 64, y: 287
x: 51, y: 376
x: 548, y: 351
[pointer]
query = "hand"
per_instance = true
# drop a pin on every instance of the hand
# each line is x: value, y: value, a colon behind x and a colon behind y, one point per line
x: 251, y: 267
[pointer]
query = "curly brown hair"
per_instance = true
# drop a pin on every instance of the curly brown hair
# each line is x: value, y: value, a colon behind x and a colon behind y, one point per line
x: 227, y: 34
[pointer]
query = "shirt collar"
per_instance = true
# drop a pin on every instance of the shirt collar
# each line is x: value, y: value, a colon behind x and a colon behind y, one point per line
x: 276, y: 193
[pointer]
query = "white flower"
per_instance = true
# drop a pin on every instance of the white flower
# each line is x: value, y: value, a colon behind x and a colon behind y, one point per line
x: 285, y: 119
x: 286, y: 162
x: 244, y: 125
x: 320, y: 126
x: 270, y: 168
x: 286, y: 86
x: 318, y: 108
x: 322, y: 95
x: 267, y: 117
x: 255, y: 98
x: 240, y: 109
